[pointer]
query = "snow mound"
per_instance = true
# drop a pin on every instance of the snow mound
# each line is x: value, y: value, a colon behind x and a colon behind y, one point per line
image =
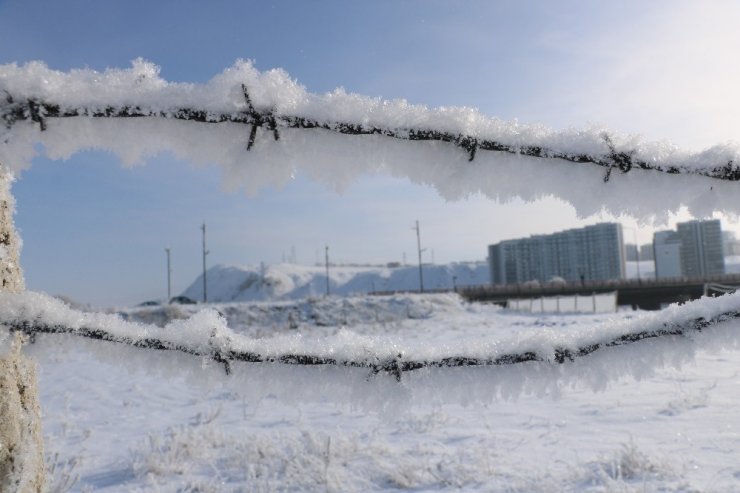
x: 292, y: 282
x: 267, y: 318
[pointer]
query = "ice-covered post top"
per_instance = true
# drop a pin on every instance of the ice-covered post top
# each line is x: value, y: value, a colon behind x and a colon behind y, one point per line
x: 11, y: 275
x: 263, y: 127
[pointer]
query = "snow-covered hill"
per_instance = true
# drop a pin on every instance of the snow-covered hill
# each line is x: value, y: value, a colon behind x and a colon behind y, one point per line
x: 290, y: 281
x: 286, y: 281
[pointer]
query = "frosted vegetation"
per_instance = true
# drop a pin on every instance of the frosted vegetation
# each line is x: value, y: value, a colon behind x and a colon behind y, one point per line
x: 652, y: 416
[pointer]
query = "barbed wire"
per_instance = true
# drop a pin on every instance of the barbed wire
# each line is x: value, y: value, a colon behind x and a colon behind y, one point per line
x: 395, y: 366
x: 14, y: 110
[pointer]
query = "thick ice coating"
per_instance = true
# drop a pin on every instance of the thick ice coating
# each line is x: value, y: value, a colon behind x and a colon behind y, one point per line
x: 336, y: 159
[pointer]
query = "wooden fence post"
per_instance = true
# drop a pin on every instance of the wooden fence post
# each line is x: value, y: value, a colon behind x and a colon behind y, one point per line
x: 22, y: 468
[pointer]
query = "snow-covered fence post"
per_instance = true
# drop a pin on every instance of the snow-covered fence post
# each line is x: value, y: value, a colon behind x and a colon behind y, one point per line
x: 22, y: 467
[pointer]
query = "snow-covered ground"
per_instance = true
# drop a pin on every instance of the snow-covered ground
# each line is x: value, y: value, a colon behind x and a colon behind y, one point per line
x: 657, y: 415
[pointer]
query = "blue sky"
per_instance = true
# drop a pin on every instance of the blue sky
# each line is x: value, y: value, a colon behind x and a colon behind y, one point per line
x: 96, y: 231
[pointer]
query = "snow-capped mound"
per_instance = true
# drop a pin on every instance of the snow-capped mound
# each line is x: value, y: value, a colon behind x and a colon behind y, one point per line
x: 268, y: 318
x: 290, y: 281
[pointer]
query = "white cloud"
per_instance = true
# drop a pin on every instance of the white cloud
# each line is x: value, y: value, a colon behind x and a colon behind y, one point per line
x: 669, y: 72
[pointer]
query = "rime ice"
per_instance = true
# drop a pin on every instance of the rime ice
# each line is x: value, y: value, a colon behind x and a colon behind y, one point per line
x: 336, y: 160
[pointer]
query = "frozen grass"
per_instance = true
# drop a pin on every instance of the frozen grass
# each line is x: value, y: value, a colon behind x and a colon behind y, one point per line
x: 663, y: 417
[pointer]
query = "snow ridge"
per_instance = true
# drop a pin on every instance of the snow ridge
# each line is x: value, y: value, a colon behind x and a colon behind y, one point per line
x: 285, y: 281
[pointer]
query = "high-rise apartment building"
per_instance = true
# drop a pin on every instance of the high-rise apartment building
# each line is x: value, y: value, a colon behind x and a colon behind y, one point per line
x: 693, y: 250
x: 646, y: 252
x: 730, y: 244
x: 590, y: 253
x: 667, y: 253
x: 701, y: 248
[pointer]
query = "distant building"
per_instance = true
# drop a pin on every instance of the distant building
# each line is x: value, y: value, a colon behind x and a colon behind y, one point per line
x: 646, y: 252
x: 630, y: 252
x: 634, y: 253
x: 730, y: 244
x: 694, y: 250
x: 590, y: 253
x: 701, y: 248
x: 667, y: 254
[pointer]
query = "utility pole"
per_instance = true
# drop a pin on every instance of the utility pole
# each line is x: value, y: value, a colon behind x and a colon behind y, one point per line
x: 418, y: 247
x: 169, y: 275
x: 205, y: 252
x: 327, y: 269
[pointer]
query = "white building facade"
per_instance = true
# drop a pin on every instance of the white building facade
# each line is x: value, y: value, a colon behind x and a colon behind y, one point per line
x: 694, y: 249
x: 667, y: 253
x: 591, y: 253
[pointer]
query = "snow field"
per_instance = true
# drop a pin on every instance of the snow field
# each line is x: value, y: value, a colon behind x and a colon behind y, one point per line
x: 653, y: 416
